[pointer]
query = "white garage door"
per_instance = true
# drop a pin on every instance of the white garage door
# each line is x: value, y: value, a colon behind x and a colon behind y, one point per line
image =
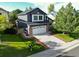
x: 38, y: 29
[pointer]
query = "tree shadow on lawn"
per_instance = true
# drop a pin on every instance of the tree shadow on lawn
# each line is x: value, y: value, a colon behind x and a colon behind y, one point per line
x: 13, y: 38
x: 52, y: 44
x: 8, y: 51
x: 74, y: 35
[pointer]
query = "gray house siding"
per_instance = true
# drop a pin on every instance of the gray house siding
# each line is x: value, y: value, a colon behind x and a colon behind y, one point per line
x: 35, y: 11
x: 38, y: 10
x: 21, y: 24
x: 29, y: 16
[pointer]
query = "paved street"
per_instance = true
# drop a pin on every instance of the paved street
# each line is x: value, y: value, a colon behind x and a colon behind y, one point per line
x: 72, y: 53
x: 47, y: 53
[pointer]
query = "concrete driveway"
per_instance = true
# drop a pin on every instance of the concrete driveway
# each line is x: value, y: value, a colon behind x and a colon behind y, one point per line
x: 50, y: 40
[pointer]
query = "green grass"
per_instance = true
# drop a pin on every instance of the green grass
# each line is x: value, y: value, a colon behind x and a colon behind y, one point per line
x: 11, y: 38
x: 15, y: 46
x: 65, y: 37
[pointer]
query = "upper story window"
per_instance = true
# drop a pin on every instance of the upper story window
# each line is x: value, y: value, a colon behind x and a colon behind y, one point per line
x: 40, y: 17
x: 37, y: 17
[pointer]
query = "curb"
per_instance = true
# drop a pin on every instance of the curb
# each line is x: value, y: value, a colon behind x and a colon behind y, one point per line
x: 72, y: 47
x: 67, y: 49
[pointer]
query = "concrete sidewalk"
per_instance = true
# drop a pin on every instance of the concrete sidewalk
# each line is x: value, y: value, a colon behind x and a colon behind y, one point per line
x: 67, y: 45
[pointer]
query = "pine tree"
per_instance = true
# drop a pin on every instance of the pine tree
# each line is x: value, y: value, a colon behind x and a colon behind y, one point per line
x: 51, y: 8
x: 65, y: 20
x: 26, y: 9
x: 30, y: 8
x: 59, y: 21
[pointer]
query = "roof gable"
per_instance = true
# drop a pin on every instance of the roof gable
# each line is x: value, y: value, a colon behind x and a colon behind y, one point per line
x: 4, y: 10
x: 32, y: 11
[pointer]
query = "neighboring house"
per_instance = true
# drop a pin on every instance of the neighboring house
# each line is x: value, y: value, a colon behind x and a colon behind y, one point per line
x: 52, y: 15
x: 4, y: 13
x: 33, y: 22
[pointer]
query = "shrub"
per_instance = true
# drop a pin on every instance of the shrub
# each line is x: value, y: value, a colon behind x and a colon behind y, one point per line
x: 33, y: 47
x: 74, y: 35
x: 76, y: 30
x: 53, y: 30
x: 10, y: 31
x: 37, y: 48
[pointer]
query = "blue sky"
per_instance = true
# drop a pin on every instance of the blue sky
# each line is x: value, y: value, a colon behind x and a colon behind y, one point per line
x: 43, y: 4
x: 15, y: 5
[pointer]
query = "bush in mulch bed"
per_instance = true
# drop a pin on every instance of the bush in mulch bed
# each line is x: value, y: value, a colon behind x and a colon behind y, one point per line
x: 10, y: 31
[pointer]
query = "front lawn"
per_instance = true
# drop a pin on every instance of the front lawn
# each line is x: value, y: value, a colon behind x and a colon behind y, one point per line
x: 16, y: 46
x: 65, y: 37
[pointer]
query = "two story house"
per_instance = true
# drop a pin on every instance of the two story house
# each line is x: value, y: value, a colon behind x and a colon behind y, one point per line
x: 33, y: 22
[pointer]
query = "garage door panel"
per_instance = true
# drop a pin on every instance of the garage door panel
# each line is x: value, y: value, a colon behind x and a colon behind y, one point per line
x: 38, y: 29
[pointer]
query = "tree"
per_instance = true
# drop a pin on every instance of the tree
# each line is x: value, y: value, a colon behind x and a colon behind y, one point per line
x: 59, y: 21
x: 66, y: 20
x: 13, y: 15
x: 51, y: 8
x: 17, y: 11
x: 76, y: 30
x: 4, y: 23
x: 28, y: 9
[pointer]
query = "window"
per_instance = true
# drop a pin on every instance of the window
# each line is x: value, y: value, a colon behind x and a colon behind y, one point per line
x: 35, y: 17
x: 45, y: 17
x: 40, y: 18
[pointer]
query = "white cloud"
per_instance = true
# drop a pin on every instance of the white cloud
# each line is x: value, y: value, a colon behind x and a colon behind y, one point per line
x: 74, y: 4
x: 43, y: 4
x: 50, y: 1
x: 7, y: 8
x: 40, y: 1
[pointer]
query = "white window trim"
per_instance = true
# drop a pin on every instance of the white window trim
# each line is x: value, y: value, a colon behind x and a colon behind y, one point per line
x: 38, y: 17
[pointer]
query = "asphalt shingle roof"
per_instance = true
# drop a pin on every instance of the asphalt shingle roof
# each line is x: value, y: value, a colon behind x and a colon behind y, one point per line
x: 26, y: 12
